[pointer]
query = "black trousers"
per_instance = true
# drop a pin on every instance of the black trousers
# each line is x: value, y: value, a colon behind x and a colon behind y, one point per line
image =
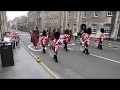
x: 65, y: 46
x: 44, y: 49
x: 86, y: 49
x: 75, y: 38
x: 100, y: 45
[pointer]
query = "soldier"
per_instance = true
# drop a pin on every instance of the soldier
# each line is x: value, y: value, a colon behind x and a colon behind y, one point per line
x: 100, y: 39
x: 82, y: 38
x: 55, y: 45
x: 44, y: 40
x: 66, y: 39
x: 87, y: 38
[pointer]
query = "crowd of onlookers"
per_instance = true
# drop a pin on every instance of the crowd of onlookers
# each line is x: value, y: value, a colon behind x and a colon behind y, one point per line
x: 13, y: 37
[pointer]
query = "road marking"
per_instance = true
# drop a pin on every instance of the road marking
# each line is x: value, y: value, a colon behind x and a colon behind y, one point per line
x: 105, y: 58
x: 29, y: 46
x: 68, y: 48
x: 71, y: 44
x: 41, y: 63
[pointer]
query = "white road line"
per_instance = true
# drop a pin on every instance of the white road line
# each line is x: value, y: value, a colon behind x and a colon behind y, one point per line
x: 71, y: 44
x: 29, y: 46
x: 68, y: 48
x: 105, y: 58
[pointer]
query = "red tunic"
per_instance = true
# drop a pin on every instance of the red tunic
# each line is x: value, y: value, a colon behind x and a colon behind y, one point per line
x: 55, y: 45
x: 44, y: 40
x: 66, y: 38
x: 100, y: 37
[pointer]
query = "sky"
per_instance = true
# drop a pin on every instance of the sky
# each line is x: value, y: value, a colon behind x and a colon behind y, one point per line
x: 12, y: 14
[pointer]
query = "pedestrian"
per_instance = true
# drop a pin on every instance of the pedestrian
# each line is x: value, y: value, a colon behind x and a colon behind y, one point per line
x: 37, y: 34
x: 66, y: 39
x: 71, y: 35
x: 55, y: 46
x: 17, y: 39
x: 100, y: 39
x: 87, y: 38
x: 44, y: 40
x: 75, y: 34
x: 34, y: 39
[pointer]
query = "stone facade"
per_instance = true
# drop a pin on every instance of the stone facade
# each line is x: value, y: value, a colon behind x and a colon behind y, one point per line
x: 3, y: 21
x: 74, y: 19
x: 22, y: 23
x: 34, y: 20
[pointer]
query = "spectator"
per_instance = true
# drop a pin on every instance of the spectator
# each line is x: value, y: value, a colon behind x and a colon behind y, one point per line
x: 37, y: 34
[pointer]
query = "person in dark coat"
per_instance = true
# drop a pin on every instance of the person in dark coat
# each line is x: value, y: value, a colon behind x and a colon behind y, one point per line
x: 37, y: 34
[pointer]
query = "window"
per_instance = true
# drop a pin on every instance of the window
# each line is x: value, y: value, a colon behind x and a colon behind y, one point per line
x: 96, y: 14
x: 107, y: 28
x: 94, y: 28
x: 69, y: 15
x: 84, y: 14
x: 75, y: 15
x: 109, y: 13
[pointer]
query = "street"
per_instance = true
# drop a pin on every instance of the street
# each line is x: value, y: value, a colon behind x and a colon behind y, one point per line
x: 100, y: 64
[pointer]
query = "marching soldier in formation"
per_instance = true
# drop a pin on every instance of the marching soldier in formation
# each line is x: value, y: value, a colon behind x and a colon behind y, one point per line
x: 100, y: 39
x: 66, y: 39
x: 55, y: 45
x: 44, y: 40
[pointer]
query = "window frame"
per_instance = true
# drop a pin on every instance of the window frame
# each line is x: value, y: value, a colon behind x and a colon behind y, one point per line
x: 109, y: 13
x: 95, y: 14
x: 107, y: 27
x: 94, y: 28
x: 84, y: 14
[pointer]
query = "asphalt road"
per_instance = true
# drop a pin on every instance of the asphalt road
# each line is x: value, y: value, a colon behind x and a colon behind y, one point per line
x: 100, y: 64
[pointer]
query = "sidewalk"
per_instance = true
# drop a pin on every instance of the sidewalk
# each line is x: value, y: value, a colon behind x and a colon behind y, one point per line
x: 25, y: 67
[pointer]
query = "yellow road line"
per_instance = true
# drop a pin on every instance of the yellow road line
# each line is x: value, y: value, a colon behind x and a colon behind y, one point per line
x: 41, y: 63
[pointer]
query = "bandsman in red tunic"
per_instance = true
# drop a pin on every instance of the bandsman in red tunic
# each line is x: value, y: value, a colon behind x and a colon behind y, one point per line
x: 100, y: 39
x: 55, y: 46
x: 66, y: 39
x: 44, y: 40
x: 86, y: 41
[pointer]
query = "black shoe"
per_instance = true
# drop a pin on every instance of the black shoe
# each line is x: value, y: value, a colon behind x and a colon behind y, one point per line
x: 44, y: 51
x: 87, y: 53
x: 84, y: 51
x: 56, y: 58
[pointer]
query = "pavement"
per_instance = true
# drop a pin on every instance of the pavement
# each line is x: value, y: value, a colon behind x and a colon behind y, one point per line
x: 100, y: 64
x: 25, y: 67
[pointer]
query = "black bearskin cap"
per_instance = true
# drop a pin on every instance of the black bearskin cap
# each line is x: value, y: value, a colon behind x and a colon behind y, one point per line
x: 89, y: 31
x: 66, y: 31
x: 102, y: 30
x: 44, y: 33
x: 57, y: 35
x: 83, y: 27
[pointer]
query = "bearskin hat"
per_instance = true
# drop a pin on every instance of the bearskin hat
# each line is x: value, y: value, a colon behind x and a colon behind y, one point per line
x: 57, y: 35
x: 102, y: 30
x: 44, y: 33
x: 83, y: 27
x: 89, y: 31
x: 66, y: 31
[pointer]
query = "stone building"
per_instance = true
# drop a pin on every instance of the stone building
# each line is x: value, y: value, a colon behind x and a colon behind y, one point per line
x: 34, y: 20
x: 22, y: 23
x: 3, y: 21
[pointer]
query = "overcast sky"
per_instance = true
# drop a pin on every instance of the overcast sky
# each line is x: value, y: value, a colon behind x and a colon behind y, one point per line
x: 12, y: 14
